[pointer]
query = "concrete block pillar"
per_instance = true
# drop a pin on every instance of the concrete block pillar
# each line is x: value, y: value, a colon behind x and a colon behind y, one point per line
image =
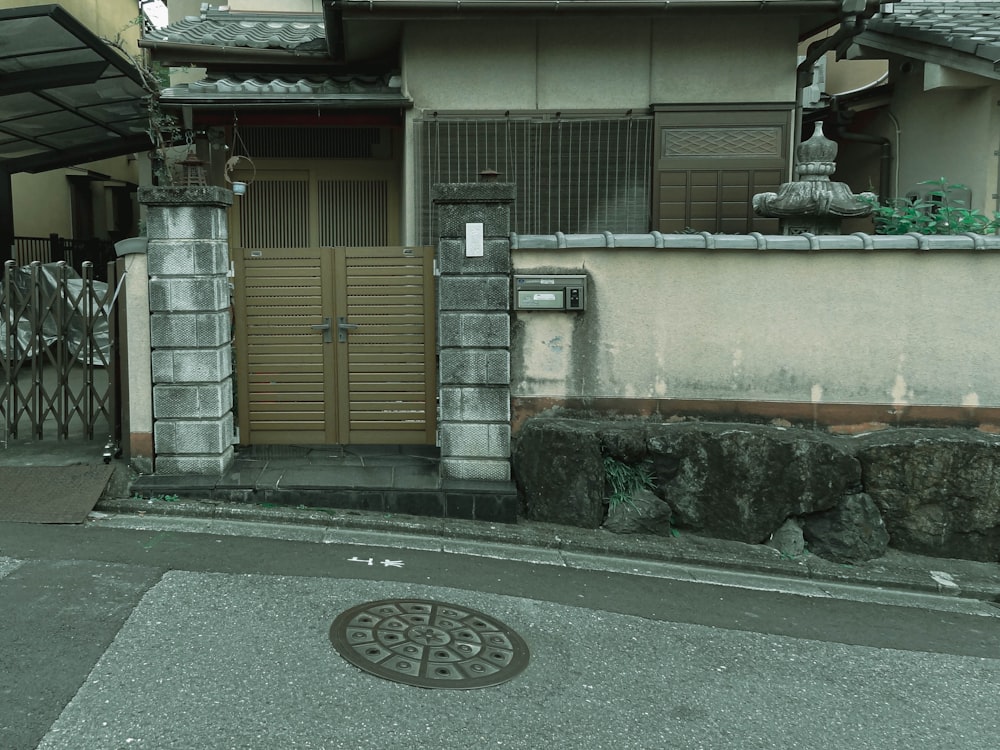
x: 190, y: 328
x: 474, y: 338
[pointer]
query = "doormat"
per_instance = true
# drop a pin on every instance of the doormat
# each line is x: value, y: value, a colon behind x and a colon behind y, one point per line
x: 51, y: 494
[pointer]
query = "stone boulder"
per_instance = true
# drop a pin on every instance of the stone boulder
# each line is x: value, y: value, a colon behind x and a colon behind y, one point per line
x: 852, y: 532
x: 642, y: 513
x: 938, y: 490
x: 741, y: 481
x: 788, y: 540
x: 559, y: 470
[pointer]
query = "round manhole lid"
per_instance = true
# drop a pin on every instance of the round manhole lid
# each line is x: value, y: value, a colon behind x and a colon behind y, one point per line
x: 429, y: 644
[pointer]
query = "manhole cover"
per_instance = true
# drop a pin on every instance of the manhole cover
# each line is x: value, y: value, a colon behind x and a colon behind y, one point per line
x: 429, y: 644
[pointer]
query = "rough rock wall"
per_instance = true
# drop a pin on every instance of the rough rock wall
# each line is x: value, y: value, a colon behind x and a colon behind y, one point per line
x: 930, y: 491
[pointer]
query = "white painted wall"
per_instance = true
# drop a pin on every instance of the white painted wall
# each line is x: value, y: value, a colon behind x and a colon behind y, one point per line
x: 882, y: 327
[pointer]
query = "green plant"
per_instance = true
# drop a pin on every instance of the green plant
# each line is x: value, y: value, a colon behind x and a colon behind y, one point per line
x: 624, y: 480
x: 163, y: 129
x: 937, y: 213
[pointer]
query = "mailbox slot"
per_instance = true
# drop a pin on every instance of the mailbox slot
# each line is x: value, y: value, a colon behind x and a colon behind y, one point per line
x: 564, y: 293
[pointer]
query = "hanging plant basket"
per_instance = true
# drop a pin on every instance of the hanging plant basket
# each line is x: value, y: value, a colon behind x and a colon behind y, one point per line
x: 241, y: 163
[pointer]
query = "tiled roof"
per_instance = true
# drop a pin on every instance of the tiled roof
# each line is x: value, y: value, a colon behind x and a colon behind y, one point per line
x: 366, y: 90
x: 299, y: 32
x: 968, y: 26
x: 756, y: 241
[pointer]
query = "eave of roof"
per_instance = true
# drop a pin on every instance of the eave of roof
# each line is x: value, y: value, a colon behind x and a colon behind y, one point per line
x: 813, y: 16
x: 258, y: 91
x: 410, y: 8
x: 963, y: 35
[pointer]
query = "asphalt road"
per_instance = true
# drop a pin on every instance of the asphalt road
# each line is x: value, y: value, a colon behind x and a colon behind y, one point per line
x: 115, y: 637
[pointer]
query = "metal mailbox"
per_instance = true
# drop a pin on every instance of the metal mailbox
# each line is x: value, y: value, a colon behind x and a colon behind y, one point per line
x: 564, y: 292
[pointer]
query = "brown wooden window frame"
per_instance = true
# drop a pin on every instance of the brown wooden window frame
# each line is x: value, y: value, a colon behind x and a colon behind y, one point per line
x: 709, y: 162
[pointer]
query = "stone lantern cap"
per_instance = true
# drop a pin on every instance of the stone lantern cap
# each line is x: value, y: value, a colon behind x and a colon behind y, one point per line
x: 813, y: 196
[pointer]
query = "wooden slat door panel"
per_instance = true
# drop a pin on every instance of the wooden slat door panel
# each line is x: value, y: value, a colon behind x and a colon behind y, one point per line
x: 377, y: 387
x: 283, y: 361
x: 389, y: 367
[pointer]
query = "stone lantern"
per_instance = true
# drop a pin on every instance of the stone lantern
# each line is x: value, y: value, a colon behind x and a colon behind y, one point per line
x: 813, y: 204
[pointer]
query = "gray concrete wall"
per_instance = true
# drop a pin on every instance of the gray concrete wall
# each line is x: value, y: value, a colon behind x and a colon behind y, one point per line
x: 599, y: 63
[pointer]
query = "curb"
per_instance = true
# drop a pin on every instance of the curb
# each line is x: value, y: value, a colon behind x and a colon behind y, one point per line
x: 959, y: 578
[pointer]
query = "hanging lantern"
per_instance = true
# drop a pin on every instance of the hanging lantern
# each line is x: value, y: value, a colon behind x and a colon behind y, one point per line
x: 192, y: 171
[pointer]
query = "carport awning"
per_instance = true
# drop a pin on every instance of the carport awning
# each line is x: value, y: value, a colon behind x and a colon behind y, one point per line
x: 66, y: 96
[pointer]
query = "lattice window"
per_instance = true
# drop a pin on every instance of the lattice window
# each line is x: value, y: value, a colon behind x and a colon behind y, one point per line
x: 721, y: 143
x: 572, y: 175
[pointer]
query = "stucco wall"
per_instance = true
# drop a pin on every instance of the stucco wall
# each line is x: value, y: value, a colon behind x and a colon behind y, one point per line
x: 883, y: 327
x: 599, y: 63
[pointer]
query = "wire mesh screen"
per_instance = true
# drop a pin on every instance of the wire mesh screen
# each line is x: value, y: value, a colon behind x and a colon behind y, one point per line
x: 572, y: 175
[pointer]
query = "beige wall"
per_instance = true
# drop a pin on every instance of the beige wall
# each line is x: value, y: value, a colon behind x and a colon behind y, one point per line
x: 104, y: 17
x: 824, y: 327
x: 946, y: 132
x: 552, y: 65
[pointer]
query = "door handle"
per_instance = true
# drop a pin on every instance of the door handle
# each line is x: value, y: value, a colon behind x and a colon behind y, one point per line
x: 326, y: 328
x: 343, y: 327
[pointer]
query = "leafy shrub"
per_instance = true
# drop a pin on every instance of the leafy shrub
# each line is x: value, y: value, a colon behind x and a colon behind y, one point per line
x: 938, y: 213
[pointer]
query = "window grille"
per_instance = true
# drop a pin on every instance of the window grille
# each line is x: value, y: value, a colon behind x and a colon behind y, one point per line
x: 582, y: 175
x: 275, y: 214
x: 353, y: 213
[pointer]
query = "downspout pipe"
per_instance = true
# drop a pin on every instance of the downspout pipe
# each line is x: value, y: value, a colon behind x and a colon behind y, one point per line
x: 854, y: 15
x: 853, y: 19
x: 886, y: 158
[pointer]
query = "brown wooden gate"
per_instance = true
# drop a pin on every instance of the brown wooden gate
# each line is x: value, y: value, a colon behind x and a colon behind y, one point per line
x: 336, y: 345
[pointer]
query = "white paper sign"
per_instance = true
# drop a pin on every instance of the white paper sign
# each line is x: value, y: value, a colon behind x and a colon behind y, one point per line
x: 474, y: 240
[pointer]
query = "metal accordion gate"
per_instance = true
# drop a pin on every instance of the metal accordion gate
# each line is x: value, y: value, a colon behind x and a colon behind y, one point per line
x: 58, y: 353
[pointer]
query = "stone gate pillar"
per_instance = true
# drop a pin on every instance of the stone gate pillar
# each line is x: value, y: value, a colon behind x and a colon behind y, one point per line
x: 474, y: 318
x: 190, y: 328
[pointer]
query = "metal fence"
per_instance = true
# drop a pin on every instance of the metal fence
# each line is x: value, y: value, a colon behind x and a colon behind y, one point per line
x: 58, y: 353
x: 75, y: 253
